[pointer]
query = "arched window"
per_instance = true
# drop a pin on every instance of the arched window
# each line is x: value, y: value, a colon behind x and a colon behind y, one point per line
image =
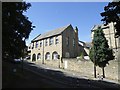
x: 33, y: 57
x: 47, y: 56
x: 38, y: 56
x: 55, y: 55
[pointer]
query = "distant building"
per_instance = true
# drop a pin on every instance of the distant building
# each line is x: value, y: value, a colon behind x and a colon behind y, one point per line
x: 84, y: 48
x: 109, y: 31
x: 61, y: 42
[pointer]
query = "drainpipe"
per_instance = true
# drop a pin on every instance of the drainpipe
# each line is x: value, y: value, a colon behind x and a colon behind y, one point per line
x: 43, y: 52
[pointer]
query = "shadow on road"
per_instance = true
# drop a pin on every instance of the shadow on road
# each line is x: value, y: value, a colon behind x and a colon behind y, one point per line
x: 36, y: 77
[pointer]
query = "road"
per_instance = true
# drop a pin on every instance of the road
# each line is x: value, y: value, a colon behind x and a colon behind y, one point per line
x: 56, y: 79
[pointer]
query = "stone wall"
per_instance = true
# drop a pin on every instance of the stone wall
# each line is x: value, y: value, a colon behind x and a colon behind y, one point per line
x: 86, y: 68
x: 53, y: 63
x: 111, y: 71
x: 118, y: 59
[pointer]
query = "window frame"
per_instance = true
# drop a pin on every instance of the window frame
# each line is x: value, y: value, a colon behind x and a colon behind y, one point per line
x: 46, y: 42
x: 38, y: 56
x: 51, y: 41
x: 47, y: 56
x: 56, y: 40
x: 36, y: 45
x: 40, y: 43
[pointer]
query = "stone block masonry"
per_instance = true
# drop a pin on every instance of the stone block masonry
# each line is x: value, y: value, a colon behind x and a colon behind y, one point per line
x: 85, y: 67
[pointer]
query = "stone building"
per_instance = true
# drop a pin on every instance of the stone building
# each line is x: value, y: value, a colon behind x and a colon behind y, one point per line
x: 84, y: 47
x: 52, y: 45
x: 109, y: 31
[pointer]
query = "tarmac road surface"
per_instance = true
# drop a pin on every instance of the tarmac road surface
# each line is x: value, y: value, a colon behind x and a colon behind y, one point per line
x: 33, y: 76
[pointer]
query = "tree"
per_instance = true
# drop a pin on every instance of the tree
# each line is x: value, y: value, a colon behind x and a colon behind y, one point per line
x: 81, y: 55
x: 92, y: 58
x: 16, y: 29
x: 112, y: 14
x: 100, y: 53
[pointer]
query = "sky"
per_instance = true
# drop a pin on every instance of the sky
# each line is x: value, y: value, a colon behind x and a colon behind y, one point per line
x: 48, y: 16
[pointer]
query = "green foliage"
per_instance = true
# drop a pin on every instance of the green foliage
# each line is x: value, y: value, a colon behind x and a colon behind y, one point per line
x: 16, y: 28
x: 91, y: 54
x: 112, y: 14
x: 81, y: 55
x: 100, y: 53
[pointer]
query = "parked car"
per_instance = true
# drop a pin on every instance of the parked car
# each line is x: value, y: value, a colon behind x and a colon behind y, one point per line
x: 17, y: 60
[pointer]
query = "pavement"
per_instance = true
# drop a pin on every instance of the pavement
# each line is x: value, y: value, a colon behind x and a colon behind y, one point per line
x: 73, y: 73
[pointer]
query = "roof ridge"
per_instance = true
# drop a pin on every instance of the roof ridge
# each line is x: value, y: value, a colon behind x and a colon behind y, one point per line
x: 57, y: 28
x: 36, y: 37
x: 51, y: 32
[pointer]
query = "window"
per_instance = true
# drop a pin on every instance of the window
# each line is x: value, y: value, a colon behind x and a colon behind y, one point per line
x: 51, y: 41
x: 40, y: 43
x: 67, y: 41
x: 55, y: 55
x: 46, y: 42
x: 38, y: 56
x: 33, y: 57
x: 47, y: 56
x: 73, y: 42
x: 56, y: 40
x: 32, y: 45
x: 36, y: 44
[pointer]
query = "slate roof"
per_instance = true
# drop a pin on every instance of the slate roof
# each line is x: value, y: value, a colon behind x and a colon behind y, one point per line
x: 51, y: 33
x: 85, y: 44
x: 100, y: 25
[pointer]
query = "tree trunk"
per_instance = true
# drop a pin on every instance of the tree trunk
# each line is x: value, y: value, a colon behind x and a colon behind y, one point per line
x: 103, y: 72
x: 94, y: 71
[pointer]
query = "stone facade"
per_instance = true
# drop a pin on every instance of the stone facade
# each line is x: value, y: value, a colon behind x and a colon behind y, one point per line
x: 109, y: 31
x: 68, y: 48
x: 85, y: 67
x: 56, y: 44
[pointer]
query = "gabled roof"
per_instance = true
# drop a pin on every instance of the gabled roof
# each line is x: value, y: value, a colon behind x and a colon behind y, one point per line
x: 85, y: 44
x: 100, y: 25
x: 96, y: 27
x: 51, y: 33
x: 81, y: 43
x: 36, y: 37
